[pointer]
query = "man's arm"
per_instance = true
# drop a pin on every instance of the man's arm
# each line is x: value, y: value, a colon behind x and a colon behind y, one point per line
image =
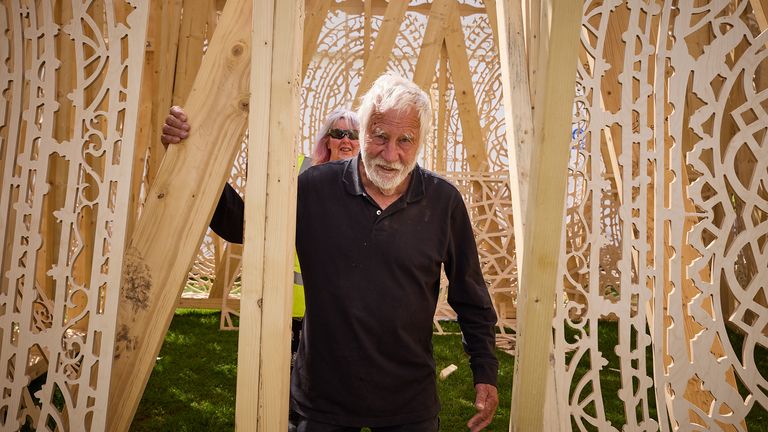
x: 468, y: 296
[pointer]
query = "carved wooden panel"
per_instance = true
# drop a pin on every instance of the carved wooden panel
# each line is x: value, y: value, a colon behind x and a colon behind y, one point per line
x: 69, y: 84
x: 666, y: 217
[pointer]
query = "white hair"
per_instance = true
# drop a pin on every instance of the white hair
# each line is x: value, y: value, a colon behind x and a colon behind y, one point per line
x: 391, y: 91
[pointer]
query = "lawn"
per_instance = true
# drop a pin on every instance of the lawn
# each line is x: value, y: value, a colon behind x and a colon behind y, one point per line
x: 192, y: 387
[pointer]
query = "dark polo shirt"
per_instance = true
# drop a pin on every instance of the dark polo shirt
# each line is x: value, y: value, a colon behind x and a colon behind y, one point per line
x: 371, y: 281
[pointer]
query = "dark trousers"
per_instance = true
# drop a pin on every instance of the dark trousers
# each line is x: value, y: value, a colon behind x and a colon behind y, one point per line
x: 304, y: 425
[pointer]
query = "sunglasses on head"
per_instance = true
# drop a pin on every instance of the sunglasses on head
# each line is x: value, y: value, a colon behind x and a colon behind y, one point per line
x: 353, y: 134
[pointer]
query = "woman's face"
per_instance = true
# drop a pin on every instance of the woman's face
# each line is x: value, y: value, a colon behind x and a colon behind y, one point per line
x: 343, y: 147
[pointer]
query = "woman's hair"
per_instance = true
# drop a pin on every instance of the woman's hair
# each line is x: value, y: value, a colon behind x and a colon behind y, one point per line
x: 321, y: 153
x: 391, y: 91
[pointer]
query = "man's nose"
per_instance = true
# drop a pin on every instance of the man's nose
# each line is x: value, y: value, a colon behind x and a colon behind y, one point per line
x: 390, y: 152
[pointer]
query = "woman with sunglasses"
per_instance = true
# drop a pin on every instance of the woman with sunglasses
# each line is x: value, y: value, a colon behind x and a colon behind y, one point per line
x: 337, y: 138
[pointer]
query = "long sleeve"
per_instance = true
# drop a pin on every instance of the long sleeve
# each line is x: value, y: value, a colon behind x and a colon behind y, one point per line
x: 227, y: 220
x: 468, y: 296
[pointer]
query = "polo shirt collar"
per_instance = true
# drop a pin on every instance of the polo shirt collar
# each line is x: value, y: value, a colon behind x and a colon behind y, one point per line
x: 354, y: 184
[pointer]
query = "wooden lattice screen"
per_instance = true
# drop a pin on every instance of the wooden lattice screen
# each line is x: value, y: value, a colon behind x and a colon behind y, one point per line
x: 666, y: 219
x: 670, y: 141
x: 70, y: 74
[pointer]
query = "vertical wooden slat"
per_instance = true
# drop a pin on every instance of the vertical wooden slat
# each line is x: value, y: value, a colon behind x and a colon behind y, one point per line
x: 189, y: 183
x: 367, y: 18
x: 270, y: 212
x: 432, y: 43
x: 164, y: 72
x: 317, y: 11
x: 472, y: 136
x: 442, y: 112
x: 144, y: 123
x: 190, y: 51
x: 382, y: 47
x: 543, y: 219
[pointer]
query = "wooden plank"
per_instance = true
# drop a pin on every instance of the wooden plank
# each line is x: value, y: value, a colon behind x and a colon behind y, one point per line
x: 164, y: 72
x: 316, y: 12
x: 472, y: 135
x: 760, y: 9
x: 382, y: 48
x: 367, y: 30
x: 145, y: 129
x: 190, y: 51
x: 432, y: 44
x: 270, y: 209
x: 189, y: 183
x: 533, y: 42
x: 226, y: 270
x: 207, y: 303
x: 543, y: 219
x: 519, y: 120
x: 441, y: 164
x: 517, y: 111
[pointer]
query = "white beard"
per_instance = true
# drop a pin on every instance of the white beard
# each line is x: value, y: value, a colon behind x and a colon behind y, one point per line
x: 386, y: 182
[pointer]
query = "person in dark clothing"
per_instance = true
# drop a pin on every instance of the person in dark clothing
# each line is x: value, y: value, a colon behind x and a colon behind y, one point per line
x: 372, y: 234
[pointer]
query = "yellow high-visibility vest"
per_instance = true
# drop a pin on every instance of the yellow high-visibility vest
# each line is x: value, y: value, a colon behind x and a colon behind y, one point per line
x: 298, y: 284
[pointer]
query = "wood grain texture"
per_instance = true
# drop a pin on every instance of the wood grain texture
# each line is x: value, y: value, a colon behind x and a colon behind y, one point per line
x: 544, y: 214
x: 178, y: 208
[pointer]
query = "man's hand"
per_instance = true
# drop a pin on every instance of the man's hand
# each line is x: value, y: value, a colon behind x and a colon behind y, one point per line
x: 486, y: 401
x: 175, y: 127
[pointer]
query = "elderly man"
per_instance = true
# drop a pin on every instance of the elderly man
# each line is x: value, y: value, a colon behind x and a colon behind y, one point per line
x: 372, y: 234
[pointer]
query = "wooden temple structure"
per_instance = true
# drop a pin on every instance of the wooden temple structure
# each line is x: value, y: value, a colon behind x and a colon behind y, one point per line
x: 613, y: 155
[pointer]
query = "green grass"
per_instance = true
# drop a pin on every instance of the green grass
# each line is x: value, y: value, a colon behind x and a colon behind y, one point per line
x: 192, y: 387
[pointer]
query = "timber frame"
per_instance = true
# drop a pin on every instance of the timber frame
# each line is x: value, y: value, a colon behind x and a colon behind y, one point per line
x: 613, y: 155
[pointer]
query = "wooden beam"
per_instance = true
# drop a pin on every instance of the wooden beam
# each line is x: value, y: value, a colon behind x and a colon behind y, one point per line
x: 207, y: 303
x: 441, y: 147
x: 190, y: 51
x: 317, y: 11
x: 533, y: 42
x: 382, y: 47
x: 270, y: 213
x: 520, y: 141
x: 760, y: 9
x: 431, y: 45
x: 517, y: 111
x: 543, y: 221
x: 367, y: 29
x: 189, y: 183
x: 166, y: 48
x: 471, y: 132
x: 226, y: 270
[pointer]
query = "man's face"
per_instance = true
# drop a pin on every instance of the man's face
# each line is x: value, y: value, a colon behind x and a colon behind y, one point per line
x: 392, y: 145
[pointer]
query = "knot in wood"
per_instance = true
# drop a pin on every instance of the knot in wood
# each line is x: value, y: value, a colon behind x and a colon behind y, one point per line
x: 238, y: 49
x: 244, y: 104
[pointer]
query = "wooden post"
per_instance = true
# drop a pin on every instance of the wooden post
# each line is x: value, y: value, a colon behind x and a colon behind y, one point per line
x: 543, y: 221
x: 382, y: 47
x: 520, y: 142
x: 188, y: 183
x: 270, y: 213
x: 317, y: 11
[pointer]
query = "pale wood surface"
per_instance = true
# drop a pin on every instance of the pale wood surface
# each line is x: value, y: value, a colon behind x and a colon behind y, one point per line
x: 316, y: 12
x: 75, y: 129
x: 270, y: 212
x: 543, y: 217
x: 189, y: 183
x: 382, y: 46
